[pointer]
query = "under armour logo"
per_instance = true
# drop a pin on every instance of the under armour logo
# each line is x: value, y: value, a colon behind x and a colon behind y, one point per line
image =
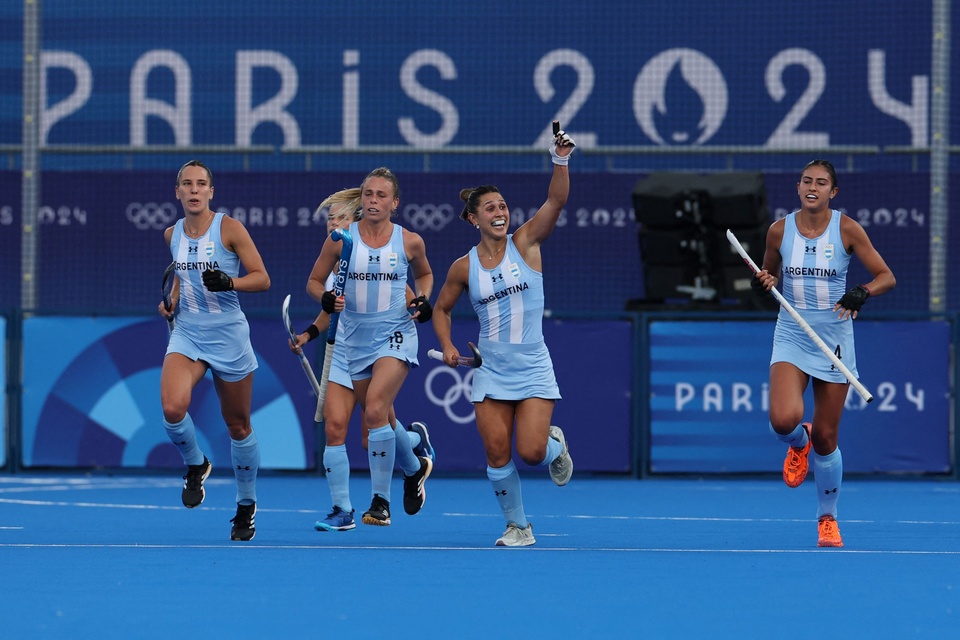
x: 239, y: 468
x: 498, y: 277
x: 328, y: 470
x: 829, y: 491
x: 375, y: 258
x: 501, y: 493
x: 810, y: 248
x: 382, y: 454
x: 191, y: 249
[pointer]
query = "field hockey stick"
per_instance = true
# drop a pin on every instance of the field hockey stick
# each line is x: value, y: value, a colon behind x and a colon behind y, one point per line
x: 866, y: 395
x: 307, y: 369
x: 346, y: 249
x: 473, y: 362
x: 166, y: 290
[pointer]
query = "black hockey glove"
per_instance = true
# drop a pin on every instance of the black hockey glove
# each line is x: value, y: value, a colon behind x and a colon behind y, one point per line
x: 217, y: 280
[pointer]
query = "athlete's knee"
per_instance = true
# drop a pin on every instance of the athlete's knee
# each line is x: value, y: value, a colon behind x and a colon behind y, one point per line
x: 239, y: 429
x: 784, y: 422
x: 532, y: 455
x: 173, y: 411
x: 335, y: 432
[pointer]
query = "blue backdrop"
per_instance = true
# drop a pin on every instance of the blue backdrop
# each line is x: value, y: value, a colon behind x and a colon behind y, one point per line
x: 102, y: 249
x: 742, y: 72
x: 94, y: 401
x: 709, y: 398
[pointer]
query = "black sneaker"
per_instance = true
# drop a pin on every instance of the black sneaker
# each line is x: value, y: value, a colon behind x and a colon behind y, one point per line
x: 379, y: 512
x: 193, y: 492
x: 243, y: 523
x: 414, y: 493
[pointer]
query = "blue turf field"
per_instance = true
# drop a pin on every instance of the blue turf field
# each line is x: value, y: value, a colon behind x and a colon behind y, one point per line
x: 118, y: 557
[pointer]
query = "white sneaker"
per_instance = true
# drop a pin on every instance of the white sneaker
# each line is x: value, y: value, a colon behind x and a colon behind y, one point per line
x: 514, y: 536
x: 561, y: 469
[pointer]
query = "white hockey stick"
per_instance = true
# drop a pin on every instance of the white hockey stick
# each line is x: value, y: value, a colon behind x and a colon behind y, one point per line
x: 307, y: 369
x: 473, y: 362
x: 866, y: 395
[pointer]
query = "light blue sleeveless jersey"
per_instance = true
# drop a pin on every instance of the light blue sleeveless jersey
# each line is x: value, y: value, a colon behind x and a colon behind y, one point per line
x: 375, y: 323
x: 508, y: 301
x: 210, y: 324
x: 813, y: 278
x: 376, y: 278
x: 814, y: 271
x: 193, y: 257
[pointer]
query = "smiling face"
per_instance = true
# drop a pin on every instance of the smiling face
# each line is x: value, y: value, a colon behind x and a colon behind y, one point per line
x: 816, y: 189
x: 492, y: 213
x: 194, y: 189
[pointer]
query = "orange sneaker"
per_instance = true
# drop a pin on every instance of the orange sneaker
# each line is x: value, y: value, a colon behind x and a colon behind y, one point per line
x: 796, y: 464
x: 829, y: 532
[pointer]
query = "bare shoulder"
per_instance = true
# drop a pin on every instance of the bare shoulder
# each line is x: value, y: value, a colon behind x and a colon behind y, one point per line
x: 411, y: 236
x: 775, y: 232
x: 852, y: 232
x: 460, y: 269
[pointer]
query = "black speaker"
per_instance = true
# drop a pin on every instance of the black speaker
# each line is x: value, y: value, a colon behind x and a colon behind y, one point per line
x: 683, y: 221
x: 668, y: 200
x: 671, y: 247
x: 662, y: 282
x: 736, y: 200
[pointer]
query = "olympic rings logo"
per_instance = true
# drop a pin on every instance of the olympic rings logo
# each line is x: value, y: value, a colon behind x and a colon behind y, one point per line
x: 428, y: 217
x: 151, y: 215
x: 459, y: 389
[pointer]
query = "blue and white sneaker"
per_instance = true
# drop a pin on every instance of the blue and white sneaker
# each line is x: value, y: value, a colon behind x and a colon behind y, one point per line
x: 424, y: 449
x: 336, y: 520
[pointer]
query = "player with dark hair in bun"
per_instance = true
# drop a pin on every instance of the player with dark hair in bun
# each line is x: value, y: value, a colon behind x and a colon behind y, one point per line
x: 515, y: 389
x: 810, y: 250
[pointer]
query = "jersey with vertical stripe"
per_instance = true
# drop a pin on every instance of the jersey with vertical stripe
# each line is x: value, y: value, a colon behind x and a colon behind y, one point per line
x: 210, y: 324
x: 376, y: 278
x: 813, y: 279
x: 194, y: 256
x: 814, y: 271
x: 507, y: 299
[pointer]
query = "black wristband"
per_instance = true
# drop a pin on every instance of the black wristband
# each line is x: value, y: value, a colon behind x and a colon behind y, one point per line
x: 312, y: 332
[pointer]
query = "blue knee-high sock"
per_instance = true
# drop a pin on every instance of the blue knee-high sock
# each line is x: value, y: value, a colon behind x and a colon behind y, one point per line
x: 554, y: 449
x: 506, y: 486
x: 412, y: 436
x: 406, y: 458
x: 828, y: 470
x: 796, y: 438
x: 337, y: 467
x: 184, y: 436
x: 381, y: 452
x: 245, y: 455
